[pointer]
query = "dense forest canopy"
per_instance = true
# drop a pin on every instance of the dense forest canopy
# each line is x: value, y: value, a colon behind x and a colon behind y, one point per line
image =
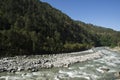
x: 34, y: 27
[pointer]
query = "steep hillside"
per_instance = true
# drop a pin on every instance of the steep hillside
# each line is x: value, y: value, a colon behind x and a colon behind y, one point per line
x: 106, y: 36
x: 33, y: 27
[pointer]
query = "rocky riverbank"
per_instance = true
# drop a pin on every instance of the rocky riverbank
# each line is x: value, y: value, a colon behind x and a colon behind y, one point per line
x: 116, y: 49
x: 103, y: 64
x: 37, y: 62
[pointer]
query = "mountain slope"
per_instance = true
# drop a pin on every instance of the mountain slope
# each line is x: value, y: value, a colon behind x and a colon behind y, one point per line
x: 33, y: 27
x: 106, y: 36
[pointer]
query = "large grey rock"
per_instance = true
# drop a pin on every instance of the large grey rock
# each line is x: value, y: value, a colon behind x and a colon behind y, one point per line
x: 20, y: 68
x: 117, y: 75
x: 105, y: 69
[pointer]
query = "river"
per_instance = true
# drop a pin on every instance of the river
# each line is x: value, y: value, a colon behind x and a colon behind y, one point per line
x: 97, y: 69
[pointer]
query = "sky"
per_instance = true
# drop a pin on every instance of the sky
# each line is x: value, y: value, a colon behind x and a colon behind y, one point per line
x: 104, y: 13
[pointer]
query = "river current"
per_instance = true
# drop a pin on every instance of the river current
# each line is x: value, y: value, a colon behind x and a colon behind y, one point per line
x: 98, y: 69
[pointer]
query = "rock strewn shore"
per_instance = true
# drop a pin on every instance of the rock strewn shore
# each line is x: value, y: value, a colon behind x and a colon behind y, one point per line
x: 66, y: 61
x: 37, y: 62
x: 116, y: 49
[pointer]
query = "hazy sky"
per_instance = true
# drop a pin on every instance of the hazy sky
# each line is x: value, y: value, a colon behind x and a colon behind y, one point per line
x: 104, y: 13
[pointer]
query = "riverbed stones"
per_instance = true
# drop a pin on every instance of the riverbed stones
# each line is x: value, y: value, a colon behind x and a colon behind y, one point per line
x: 36, y: 62
x: 3, y: 70
x: 12, y: 69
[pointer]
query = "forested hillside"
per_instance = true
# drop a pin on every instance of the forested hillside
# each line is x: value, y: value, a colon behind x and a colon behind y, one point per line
x: 33, y: 27
x: 106, y: 36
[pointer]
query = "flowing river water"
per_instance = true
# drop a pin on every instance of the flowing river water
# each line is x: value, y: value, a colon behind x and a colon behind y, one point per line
x: 97, y: 69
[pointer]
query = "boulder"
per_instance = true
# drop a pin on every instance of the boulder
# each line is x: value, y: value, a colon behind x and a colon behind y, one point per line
x: 34, y: 69
x: 20, y: 68
x: 117, y: 75
x: 105, y: 69
x: 66, y: 65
